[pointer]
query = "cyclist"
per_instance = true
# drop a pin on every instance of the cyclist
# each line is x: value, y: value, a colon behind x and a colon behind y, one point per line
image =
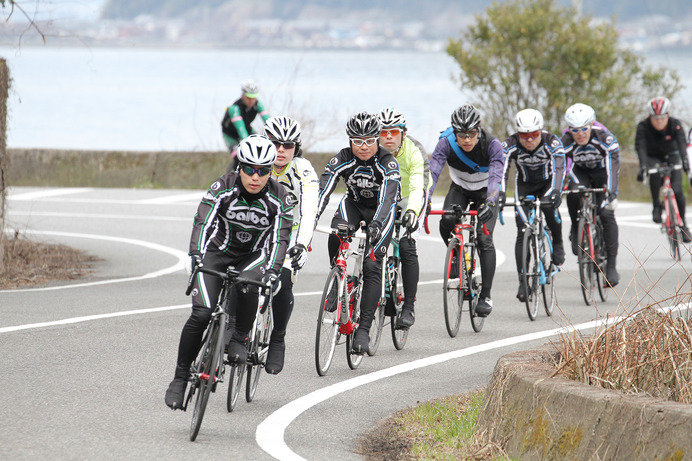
x: 595, y: 157
x: 414, y: 168
x: 244, y: 220
x: 372, y: 179
x: 236, y: 124
x: 539, y: 159
x: 475, y: 159
x: 298, y: 176
x: 660, y: 138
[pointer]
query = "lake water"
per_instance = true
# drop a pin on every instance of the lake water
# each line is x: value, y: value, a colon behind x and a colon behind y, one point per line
x: 165, y: 99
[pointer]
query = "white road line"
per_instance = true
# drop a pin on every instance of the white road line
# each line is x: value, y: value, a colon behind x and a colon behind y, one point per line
x: 45, y: 193
x: 181, y: 255
x: 188, y: 197
x: 52, y: 214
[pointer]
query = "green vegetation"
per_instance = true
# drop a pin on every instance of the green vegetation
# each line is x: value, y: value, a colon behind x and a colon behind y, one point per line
x: 534, y: 53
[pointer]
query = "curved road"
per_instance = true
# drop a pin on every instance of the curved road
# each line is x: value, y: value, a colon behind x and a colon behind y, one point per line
x: 86, y: 363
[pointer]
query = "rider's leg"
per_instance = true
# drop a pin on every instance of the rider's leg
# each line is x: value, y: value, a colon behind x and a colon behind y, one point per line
x: 552, y: 220
x: 655, y: 183
x: 455, y: 196
x: 611, y: 238
x: 676, y: 184
x: 282, y: 307
x: 410, y: 272
x: 488, y: 260
x: 521, y: 292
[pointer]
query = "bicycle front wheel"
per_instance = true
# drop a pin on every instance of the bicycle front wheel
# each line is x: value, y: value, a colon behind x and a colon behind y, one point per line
x: 352, y: 358
x: 530, y: 273
x: 587, y: 277
x: 452, y: 288
x: 475, y: 291
x: 672, y: 229
x: 548, y: 288
x: 328, y: 322
x: 235, y: 383
x: 206, y: 367
x: 377, y: 324
x: 258, y: 352
x: 602, y: 253
x: 395, y: 295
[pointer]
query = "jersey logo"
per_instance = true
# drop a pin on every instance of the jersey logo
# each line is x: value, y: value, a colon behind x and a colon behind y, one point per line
x: 247, y: 217
x: 392, y: 165
x: 555, y: 143
x: 306, y: 173
x: 289, y: 199
x: 195, y: 292
x: 243, y: 236
x: 367, y: 193
x: 334, y: 161
x: 215, y: 186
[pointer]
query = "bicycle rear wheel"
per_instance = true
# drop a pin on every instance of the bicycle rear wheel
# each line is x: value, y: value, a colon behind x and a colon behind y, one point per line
x: 587, y: 276
x: 530, y: 262
x: 235, y: 383
x: 672, y: 229
x: 328, y: 322
x: 452, y: 288
x: 205, y: 368
x: 395, y: 295
x: 548, y: 288
x: 258, y: 352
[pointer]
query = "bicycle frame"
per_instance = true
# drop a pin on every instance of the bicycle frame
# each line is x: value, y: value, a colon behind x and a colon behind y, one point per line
x: 351, y: 303
x: 672, y: 224
x: 536, y: 223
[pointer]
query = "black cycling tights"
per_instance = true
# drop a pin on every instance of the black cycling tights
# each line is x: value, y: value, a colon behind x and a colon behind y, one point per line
x: 655, y: 183
x: 282, y: 306
x: 410, y: 270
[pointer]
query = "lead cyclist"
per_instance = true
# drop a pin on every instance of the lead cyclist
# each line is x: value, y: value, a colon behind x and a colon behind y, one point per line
x: 298, y: 177
x: 415, y: 183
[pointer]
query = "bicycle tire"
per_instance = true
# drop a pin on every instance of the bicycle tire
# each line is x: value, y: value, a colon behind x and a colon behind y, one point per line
x: 235, y: 383
x: 476, y: 321
x: 396, y: 297
x: 602, y: 252
x: 352, y: 358
x: 548, y: 288
x: 208, y: 364
x: 672, y: 229
x: 328, y: 322
x: 529, y: 260
x: 377, y: 325
x: 586, y: 264
x: 452, y: 288
x: 258, y: 352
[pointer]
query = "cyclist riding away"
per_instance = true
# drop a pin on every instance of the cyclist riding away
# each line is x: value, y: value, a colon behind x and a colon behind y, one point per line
x: 372, y: 179
x: 539, y: 159
x: 475, y: 159
x: 244, y: 220
x: 297, y: 175
x: 595, y: 156
x: 414, y: 168
x: 236, y: 124
x: 660, y: 138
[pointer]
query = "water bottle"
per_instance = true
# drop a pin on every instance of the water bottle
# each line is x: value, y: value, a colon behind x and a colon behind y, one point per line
x: 467, y: 258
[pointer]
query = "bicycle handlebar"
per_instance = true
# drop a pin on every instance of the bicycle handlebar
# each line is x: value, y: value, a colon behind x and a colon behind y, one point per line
x: 663, y: 168
x: 230, y: 273
x: 583, y: 190
x: 455, y: 211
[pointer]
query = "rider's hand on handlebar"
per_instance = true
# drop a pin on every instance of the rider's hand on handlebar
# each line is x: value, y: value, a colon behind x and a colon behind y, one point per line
x: 410, y: 221
x: 555, y: 199
x: 485, y: 212
x: 641, y: 174
x: 272, y: 279
x: 374, y: 231
x: 195, y: 260
x: 299, y: 256
x: 501, y: 199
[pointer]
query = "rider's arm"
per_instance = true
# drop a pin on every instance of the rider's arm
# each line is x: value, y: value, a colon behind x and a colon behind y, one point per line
x: 262, y: 111
x: 612, y: 162
x: 416, y: 179
x: 309, y: 192
x: 510, y: 153
x: 438, y: 160
x: 205, y: 217
x: 330, y: 178
x: 640, y: 144
x: 281, y: 231
x: 495, y: 170
x: 681, y: 143
x: 390, y: 190
x: 238, y: 122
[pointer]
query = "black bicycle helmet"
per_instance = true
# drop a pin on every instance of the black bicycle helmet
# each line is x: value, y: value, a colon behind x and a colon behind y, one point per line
x: 466, y: 118
x: 364, y: 125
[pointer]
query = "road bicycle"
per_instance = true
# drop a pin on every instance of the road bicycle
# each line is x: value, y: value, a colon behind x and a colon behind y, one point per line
x: 339, y: 310
x: 671, y: 222
x: 208, y: 369
x: 592, y: 255
x: 459, y: 283
x: 538, y: 271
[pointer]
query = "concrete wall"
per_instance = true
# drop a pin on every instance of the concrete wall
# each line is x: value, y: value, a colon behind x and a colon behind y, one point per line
x: 535, y: 415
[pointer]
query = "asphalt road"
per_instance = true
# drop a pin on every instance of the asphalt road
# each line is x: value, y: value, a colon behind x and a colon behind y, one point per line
x: 85, y: 364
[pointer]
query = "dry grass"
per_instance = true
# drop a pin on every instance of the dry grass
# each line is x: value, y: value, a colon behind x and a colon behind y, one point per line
x: 30, y: 263
x: 646, y: 351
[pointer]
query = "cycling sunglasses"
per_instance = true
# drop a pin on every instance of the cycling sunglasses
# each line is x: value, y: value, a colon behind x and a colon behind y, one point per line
x: 467, y: 134
x: 359, y: 142
x: 287, y: 145
x: 251, y: 170
x: 390, y: 132
x: 528, y: 136
x: 577, y: 130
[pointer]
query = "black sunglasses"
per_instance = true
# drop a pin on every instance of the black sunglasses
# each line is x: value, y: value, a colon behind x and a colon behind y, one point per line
x: 251, y: 170
x: 287, y: 145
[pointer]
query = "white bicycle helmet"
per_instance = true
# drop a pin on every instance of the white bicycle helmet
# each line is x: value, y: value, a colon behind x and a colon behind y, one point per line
x: 364, y: 125
x: 659, y: 106
x: 257, y: 150
x: 283, y: 129
x: 249, y: 89
x: 579, y: 115
x: 528, y: 121
x: 391, y: 118
x: 466, y: 118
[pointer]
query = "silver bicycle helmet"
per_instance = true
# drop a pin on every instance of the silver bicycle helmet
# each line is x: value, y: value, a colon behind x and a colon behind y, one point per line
x: 659, y: 106
x: 579, y: 115
x: 283, y: 129
x: 249, y: 89
x: 391, y: 118
x: 466, y: 118
x: 528, y: 121
x: 364, y: 125
x: 257, y: 150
